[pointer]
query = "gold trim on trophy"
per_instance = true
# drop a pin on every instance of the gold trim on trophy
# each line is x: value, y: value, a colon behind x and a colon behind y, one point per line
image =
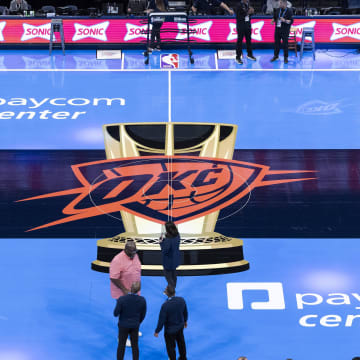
x: 198, y: 239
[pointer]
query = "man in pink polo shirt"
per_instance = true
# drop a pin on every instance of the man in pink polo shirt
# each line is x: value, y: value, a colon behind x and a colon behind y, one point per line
x: 125, y: 269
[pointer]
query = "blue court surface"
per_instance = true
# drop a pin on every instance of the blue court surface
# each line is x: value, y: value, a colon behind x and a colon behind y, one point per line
x: 53, y: 306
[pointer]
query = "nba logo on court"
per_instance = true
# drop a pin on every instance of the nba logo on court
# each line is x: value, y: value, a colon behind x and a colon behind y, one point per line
x: 169, y: 61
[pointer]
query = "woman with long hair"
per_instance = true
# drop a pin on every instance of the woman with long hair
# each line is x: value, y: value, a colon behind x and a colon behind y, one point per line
x: 156, y: 6
x: 170, y: 244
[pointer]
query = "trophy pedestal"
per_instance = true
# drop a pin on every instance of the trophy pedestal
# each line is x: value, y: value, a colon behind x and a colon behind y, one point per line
x: 209, y: 254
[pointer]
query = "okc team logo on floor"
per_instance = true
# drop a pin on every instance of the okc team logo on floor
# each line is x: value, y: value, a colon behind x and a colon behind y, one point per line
x: 156, y: 187
x: 169, y: 61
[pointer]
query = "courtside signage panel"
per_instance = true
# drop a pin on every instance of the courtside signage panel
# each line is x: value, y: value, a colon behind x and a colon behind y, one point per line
x: 89, y: 31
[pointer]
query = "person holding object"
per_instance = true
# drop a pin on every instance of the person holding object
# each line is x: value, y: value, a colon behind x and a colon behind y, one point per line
x: 283, y: 18
x: 207, y: 6
x: 243, y: 26
x: 125, y: 269
x: 156, y: 6
x: 131, y: 310
x: 170, y: 251
x: 174, y: 316
x: 18, y: 5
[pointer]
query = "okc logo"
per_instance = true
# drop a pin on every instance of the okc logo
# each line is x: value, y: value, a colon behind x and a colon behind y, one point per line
x: 255, y: 31
x: 199, y: 31
x: 156, y: 187
x: 135, y: 31
x: 97, y: 31
x: 169, y: 61
x: 41, y: 31
x: 2, y: 27
x: 341, y: 31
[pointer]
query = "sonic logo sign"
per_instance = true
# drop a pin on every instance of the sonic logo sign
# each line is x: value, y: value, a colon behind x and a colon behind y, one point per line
x: 2, y: 27
x: 135, y: 31
x: 32, y: 31
x: 255, y: 31
x: 200, y: 31
x: 97, y: 31
x: 300, y: 28
x: 154, y: 187
x: 341, y: 31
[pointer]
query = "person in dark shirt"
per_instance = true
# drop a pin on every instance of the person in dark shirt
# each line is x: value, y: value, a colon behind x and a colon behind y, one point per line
x: 131, y: 310
x: 18, y: 5
x: 283, y: 18
x: 207, y: 6
x: 170, y: 252
x: 173, y: 316
x: 243, y: 26
x: 156, y: 6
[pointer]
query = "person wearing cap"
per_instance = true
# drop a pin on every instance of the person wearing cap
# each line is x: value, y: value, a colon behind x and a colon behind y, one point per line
x: 173, y: 316
x: 131, y: 310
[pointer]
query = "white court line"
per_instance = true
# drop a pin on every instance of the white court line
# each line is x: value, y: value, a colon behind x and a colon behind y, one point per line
x: 178, y: 70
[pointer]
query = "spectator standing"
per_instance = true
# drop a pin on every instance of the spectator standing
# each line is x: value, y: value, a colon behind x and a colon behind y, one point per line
x: 173, y: 316
x: 131, y: 310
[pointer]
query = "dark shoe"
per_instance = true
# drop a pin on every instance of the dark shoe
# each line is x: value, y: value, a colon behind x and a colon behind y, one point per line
x: 157, y: 48
x: 251, y: 57
x: 238, y: 60
x: 274, y: 58
x: 149, y: 51
x: 286, y: 60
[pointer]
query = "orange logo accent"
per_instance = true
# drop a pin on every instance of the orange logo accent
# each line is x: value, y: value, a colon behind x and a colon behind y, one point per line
x: 159, y: 187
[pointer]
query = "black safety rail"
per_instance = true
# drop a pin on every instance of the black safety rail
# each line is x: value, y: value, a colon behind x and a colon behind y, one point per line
x: 169, y: 17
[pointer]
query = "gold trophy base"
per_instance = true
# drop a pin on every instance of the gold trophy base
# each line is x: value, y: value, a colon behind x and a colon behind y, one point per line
x: 208, y: 254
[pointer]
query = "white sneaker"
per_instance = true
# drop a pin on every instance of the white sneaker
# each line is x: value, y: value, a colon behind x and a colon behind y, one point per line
x: 128, y: 343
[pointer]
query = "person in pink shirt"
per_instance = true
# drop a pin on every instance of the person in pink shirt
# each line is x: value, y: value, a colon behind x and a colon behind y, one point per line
x: 125, y: 269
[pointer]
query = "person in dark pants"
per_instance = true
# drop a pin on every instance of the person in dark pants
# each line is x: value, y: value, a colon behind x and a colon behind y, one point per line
x: 243, y: 28
x: 170, y: 252
x: 173, y: 315
x: 156, y: 6
x: 131, y: 310
x: 283, y: 18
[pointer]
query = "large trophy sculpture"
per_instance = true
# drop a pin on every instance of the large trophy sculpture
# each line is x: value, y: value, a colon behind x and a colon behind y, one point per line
x: 203, y: 251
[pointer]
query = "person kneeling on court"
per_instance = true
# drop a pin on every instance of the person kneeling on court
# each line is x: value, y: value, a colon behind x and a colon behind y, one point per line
x: 173, y: 315
x: 131, y: 310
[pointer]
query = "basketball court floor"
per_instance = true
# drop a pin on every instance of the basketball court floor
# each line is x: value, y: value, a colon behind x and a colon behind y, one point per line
x: 304, y: 235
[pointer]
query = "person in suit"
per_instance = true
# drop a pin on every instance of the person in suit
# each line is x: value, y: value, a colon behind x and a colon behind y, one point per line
x: 170, y: 251
x: 243, y: 27
x: 283, y: 18
x: 131, y: 310
x: 173, y: 316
